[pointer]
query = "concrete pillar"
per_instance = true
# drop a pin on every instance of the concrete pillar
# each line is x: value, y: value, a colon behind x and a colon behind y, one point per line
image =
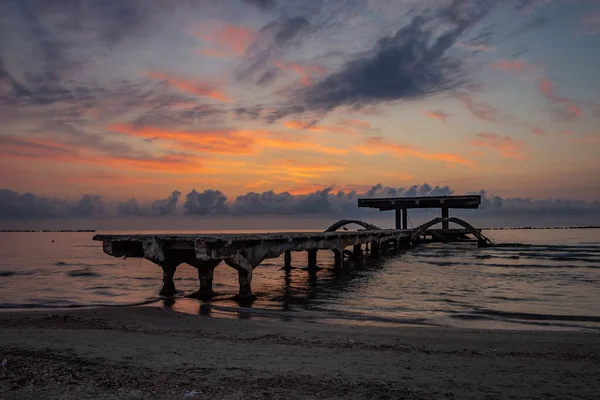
x: 245, y: 281
x: 168, y: 266
x: 244, y: 268
x: 374, y: 249
x: 312, y: 259
x: 398, y: 218
x: 287, y: 260
x: 445, y: 224
x: 357, y: 251
x: 338, y: 258
x: 404, y: 218
x: 205, y: 277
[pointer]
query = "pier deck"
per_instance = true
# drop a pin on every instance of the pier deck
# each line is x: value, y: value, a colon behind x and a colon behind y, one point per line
x: 243, y: 252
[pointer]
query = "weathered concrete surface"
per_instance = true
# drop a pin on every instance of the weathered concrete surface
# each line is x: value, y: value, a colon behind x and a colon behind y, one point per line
x: 243, y: 252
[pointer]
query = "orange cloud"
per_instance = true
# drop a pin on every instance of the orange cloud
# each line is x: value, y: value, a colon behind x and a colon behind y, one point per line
x: 25, y: 148
x: 570, y: 110
x: 507, y: 146
x: 195, y: 87
x: 298, y: 168
x: 306, y: 72
x: 439, y: 115
x: 480, y: 110
x: 377, y: 145
x: 537, y: 131
x: 227, y: 41
x: 232, y: 142
x: 357, y: 122
x: 320, y: 128
x: 589, y: 139
x: 511, y: 65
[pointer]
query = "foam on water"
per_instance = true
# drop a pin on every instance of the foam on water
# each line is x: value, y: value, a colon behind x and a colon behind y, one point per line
x: 534, y: 279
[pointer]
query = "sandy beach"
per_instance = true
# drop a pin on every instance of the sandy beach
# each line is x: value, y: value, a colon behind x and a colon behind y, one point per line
x: 148, y: 352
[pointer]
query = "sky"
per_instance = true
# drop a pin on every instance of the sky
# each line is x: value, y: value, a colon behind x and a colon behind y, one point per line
x: 150, y: 108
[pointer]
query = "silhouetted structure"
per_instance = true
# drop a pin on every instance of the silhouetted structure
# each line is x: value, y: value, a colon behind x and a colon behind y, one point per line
x: 402, y: 204
x: 245, y: 252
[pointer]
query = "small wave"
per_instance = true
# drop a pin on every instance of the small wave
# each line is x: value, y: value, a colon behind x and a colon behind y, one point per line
x: 540, y: 317
x: 48, y: 304
x: 523, y: 266
x: 7, y: 273
x: 82, y: 273
x: 66, y: 264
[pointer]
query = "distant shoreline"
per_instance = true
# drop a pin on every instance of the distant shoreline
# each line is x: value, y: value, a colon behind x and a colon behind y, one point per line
x: 484, y: 229
x: 46, y: 230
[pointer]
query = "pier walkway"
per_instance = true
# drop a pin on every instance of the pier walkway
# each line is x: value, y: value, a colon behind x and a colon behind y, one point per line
x: 245, y: 252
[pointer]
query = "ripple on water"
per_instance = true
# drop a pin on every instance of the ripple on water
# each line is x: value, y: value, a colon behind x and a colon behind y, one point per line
x: 82, y: 273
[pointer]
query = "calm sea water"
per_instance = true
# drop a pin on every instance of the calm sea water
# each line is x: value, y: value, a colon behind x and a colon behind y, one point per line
x: 534, y: 279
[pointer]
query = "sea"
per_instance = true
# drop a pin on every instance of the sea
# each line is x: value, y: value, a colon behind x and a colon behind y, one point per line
x: 545, y: 279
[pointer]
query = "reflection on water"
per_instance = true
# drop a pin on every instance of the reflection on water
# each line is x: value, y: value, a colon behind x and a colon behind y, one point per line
x: 540, y: 279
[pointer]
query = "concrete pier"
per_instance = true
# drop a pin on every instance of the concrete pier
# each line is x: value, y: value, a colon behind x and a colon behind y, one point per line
x: 243, y: 252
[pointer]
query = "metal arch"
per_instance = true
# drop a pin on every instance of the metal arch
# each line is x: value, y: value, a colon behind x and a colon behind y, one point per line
x: 344, y: 222
x: 420, y: 230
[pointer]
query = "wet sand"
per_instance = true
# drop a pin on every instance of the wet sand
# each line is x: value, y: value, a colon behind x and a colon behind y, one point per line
x: 152, y: 353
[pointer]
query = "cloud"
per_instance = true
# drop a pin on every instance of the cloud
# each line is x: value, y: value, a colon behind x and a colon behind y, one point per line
x: 235, y: 142
x: 439, y: 115
x: 305, y: 72
x: 262, y: 4
x: 507, y: 146
x: 479, y: 109
x: 227, y: 41
x: 565, y: 109
x: 511, y: 65
x: 270, y: 45
x: 375, y: 145
x: 415, y: 62
x: 44, y: 149
x: 166, y: 206
x: 591, y: 22
x: 537, y: 131
x: 313, y: 127
x: 322, y: 201
x: 192, y: 86
x: 159, y: 207
x: 205, y: 203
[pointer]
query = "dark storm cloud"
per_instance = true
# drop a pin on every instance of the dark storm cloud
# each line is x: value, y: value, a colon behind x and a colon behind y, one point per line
x: 159, y: 207
x: 166, y: 206
x: 334, y: 204
x: 415, y: 62
x: 205, y: 203
x: 29, y: 206
x: 90, y: 206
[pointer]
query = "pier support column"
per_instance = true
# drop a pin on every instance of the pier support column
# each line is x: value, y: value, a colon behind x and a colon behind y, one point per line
x: 374, y: 249
x: 398, y: 218
x: 312, y: 259
x: 357, y: 250
x: 244, y: 268
x: 168, y: 266
x: 287, y: 260
x: 404, y: 218
x: 338, y: 258
x: 445, y: 224
x: 205, y: 278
